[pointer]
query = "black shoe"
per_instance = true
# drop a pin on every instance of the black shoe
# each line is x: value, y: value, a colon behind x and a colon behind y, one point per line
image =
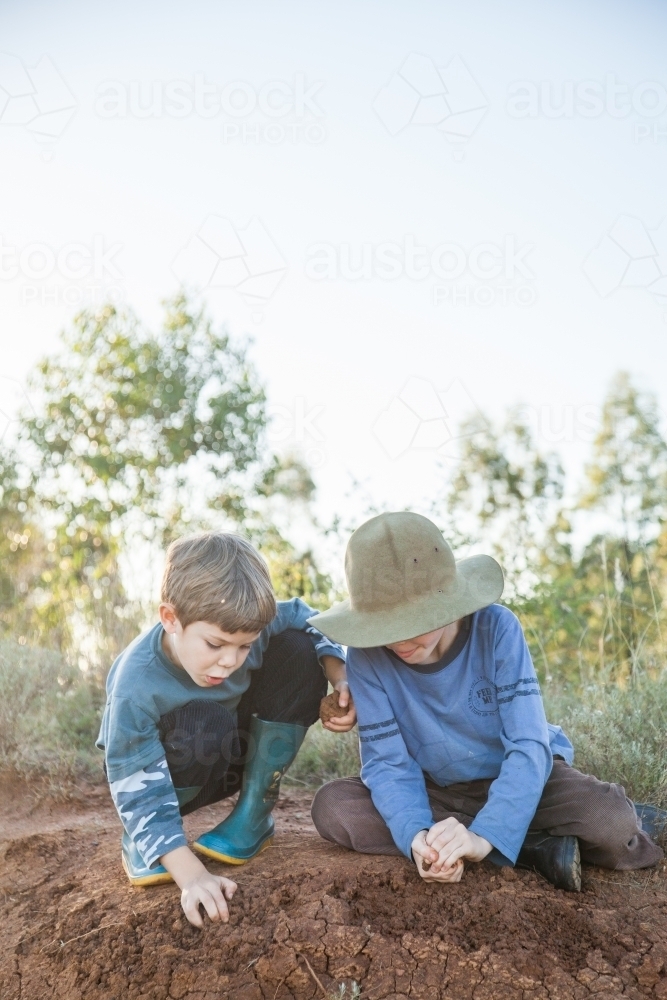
x: 653, y: 820
x: 557, y: 859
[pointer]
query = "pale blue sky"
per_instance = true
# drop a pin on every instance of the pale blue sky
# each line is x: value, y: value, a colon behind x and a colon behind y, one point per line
x: 336, y: 352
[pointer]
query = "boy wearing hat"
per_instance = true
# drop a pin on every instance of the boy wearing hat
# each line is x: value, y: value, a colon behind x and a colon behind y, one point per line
x: 458, y: 760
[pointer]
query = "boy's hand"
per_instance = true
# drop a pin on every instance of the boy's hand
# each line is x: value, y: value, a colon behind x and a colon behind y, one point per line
x: 335, y: 674
x: 453, y: 842
x: 198, y: 886
x: 211, y: 892
x: 343, y: 723
x: 425, y: 855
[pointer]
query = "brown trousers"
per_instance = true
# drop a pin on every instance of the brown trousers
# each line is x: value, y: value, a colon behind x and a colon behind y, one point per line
x: 598, y: 813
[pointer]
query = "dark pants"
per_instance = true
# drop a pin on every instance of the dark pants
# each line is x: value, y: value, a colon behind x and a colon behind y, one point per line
x: 597, y: 812
x: 206, y: 744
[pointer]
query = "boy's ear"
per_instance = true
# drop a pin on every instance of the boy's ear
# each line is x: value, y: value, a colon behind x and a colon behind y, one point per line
x: 169, y: 618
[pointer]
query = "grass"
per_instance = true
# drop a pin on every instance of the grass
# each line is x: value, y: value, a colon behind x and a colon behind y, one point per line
x: 324, y: 756
x: 618, y: 734
x: 49, y: 718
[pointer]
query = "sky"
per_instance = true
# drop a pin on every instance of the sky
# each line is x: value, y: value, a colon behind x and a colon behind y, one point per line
x: 415, y: 209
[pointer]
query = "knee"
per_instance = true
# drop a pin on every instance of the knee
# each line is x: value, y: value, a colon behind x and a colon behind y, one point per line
x: 292, y: 644
x: 195, y: 717
x: 327, y: 814
x: 615, y: 817
x: 294, y: 652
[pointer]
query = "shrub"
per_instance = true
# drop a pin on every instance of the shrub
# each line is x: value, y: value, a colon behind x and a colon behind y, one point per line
x: 619, y: 734
x: 325, y: 755
x: 49, y: 716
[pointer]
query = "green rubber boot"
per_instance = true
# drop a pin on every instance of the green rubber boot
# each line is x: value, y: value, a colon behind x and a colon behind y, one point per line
x: 249, y: 827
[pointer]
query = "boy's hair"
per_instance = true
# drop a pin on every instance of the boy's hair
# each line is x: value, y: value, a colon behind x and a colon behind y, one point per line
x: 221, y: 579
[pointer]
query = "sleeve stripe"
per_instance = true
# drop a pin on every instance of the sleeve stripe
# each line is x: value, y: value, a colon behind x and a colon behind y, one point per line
x: 377, y: 725
x: 519, y: 694
x: 378, y: 736
x: 511, y: 687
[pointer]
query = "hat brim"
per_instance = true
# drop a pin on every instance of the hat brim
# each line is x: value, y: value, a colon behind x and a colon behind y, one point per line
x: 479, y: 582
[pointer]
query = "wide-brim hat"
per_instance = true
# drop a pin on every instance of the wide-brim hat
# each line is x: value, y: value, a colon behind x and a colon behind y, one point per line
x: 403, y: 581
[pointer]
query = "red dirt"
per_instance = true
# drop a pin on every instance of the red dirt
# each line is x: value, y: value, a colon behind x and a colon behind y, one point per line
x: 306, y: 911
x: 330, y: 707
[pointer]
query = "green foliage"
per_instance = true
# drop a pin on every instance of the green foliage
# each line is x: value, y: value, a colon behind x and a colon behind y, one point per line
x: 597, y: 613
x: 136, y: 437
x: 619, y: 733
x: 628, y: 474
x: 122, y: 412
x: 49, y: 716
x: 324, y: 756
x: 503, y: 490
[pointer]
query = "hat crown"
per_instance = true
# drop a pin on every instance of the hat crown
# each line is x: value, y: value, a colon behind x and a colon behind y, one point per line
x: 395, y: 558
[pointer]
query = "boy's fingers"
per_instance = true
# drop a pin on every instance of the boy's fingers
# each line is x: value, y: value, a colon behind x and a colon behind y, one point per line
x: 229, y: 888
x: 440, y: 829
x: 191, y: 910
x: 211, y: 905
x: 442, y: 840
x: 344, y: 697
x: 449, y: 853
x: 453, y: 858
x: 218, y: 897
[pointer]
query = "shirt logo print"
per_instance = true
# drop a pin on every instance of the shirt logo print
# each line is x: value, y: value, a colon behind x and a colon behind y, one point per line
x: 482, y: 697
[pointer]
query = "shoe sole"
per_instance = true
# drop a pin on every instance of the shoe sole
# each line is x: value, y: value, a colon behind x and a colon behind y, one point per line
x: 574, y: 874
x: 160, y: 879
x: 228, y: 859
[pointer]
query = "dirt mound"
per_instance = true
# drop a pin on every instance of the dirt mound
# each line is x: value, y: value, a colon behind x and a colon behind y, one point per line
x: 309, y: 917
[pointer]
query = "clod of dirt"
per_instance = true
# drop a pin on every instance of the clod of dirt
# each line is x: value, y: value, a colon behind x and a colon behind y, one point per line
x: 330, y: 708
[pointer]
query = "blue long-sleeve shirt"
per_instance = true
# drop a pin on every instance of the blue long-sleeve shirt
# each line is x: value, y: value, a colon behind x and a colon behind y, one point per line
x: 142, y: 686
x: 478, y: 715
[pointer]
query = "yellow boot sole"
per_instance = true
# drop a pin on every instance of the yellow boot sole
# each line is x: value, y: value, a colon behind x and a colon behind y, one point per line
x: 161, y: 879
x: 227, y: 859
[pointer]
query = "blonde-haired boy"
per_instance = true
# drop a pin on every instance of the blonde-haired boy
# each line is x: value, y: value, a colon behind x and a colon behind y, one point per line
x: 215, y: 698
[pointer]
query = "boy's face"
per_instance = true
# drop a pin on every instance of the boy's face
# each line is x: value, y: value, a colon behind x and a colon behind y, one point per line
x: 420, y: 649
x: 202, y: 649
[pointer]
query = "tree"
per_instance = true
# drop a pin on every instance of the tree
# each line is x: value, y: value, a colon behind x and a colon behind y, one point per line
x: 128, y: 420
x: 627, y: 477
x: 135, y: 436
x: 505, y: 491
